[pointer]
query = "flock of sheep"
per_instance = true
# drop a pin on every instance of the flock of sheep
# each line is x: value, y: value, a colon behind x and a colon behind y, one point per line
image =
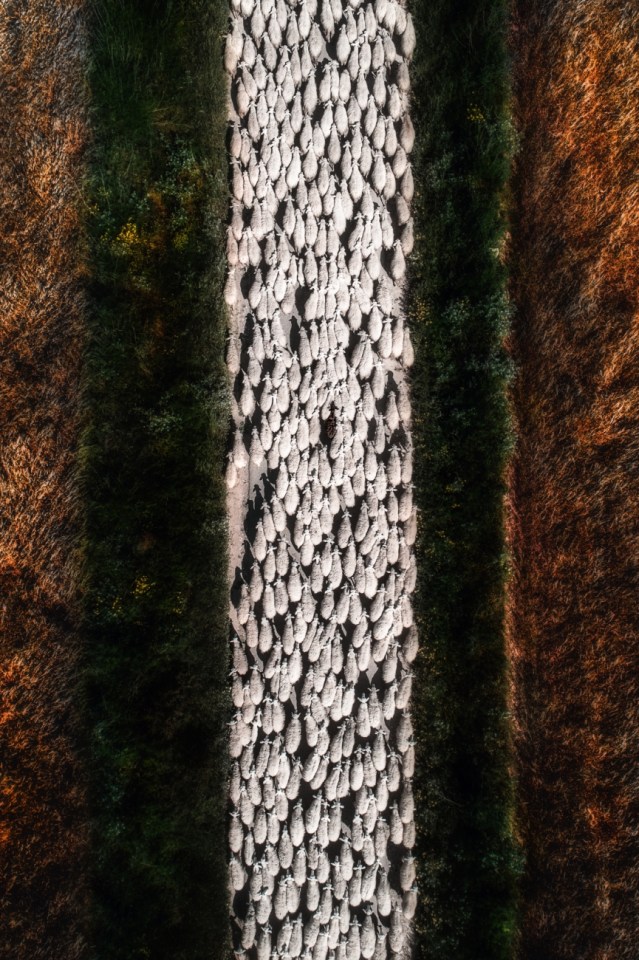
x: 322, y: 824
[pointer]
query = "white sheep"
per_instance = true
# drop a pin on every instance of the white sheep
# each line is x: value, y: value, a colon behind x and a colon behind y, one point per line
x: 353, y: 941
x: 249, y: 928
x: 299, y: 868
x: 312, y: 893
x: 296, y: 941
x: 292, y: 895
x: 294, y: 784
x: 407, y: 873
x: 382, y: 793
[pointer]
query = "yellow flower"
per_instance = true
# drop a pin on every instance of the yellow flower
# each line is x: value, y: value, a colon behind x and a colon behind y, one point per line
x: 129, y: 235
x: 142, y: 586
x: 475, y: 115
x: 180, y: 240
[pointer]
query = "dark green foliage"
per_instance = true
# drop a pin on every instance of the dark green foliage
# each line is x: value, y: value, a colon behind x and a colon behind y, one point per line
x: 460, y: 314
x: 156, y: 426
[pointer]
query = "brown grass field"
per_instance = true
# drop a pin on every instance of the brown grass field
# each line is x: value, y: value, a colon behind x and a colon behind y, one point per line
x: 42, y: 814
x: 574, y: 505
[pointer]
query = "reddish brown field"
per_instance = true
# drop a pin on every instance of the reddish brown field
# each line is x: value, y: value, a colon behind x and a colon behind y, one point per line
x: 574, y: 518
x: 42, y: 814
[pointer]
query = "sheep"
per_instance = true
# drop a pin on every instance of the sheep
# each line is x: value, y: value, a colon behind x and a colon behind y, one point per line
x: 263, y: 907
x: 338, y: 610
x: 296, y: 940
x: 247, y: 401
x: 407, y: 873
x: 248, y: 850
x: 294, y: 665
x: 319, y: 777
x: 362, y: 525
x: 279, y: 900
x: 249, y: 927
x: 389, y: 703
x: 410, y: 527
x: 285, y: 848
x: 284, y: 937
x: 355, y: 886
x: 246, y: 808
x: 317, y: 709
x: 329, y: 688
x: 284, y: 766
x: 382, y: 793
x: 336, y: 712
x: 251, y: 715
x: 312, y: 893
x: 252, y: 631
x: 322, y: 830
x: 292, y: 788
x: 275, y: 649
x: 406, y: 802
x: 378, y: 605
x: 359, y: 633
x: 258, y: 880
x: 332, y: 780
x: 323, y: 865
x: 243, y: 608
x: 267, y: 715
x: 357, y: 771
x: 261, y: 760
x: 367, y: 936
x: 236, y: 833
x: 235, y: 783
x: 382, y: 632
x: 407, y: 563
x: 379, y: 436
x: 404, y: 689
x: 333, y: 931
x: 370, y: 774
x: 308, y: 687
x: 353, y: 941
x: 408, y: 760
x: 410, y: 835
x: 299, y: 859
x: 327, y: 604
x: 273, y: 830
x: 320, y: 950
x: 342, y: 867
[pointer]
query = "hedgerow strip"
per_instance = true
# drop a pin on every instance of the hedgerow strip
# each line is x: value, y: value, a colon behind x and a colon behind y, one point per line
x: 155, y: 394
x: 460, y: 314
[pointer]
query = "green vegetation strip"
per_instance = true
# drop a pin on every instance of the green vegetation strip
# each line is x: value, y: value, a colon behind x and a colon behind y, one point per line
x: 157, y: 416
x: 460, y: 314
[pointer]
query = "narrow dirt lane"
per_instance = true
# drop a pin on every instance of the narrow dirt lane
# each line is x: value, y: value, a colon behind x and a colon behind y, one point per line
x: 320, y: 479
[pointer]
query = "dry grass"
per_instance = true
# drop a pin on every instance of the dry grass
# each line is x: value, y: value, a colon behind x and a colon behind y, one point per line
x: 574, y: 524
x: 457, y: 305
x: 42, y: 819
